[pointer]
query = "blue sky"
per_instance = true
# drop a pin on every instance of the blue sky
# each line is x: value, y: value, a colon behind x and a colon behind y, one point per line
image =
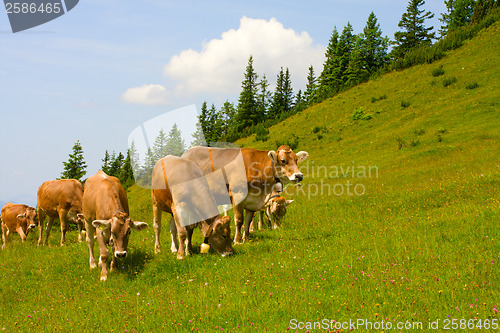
x: 106, y: 67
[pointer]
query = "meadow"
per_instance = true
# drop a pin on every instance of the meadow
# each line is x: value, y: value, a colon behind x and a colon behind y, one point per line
x: 412, y: 238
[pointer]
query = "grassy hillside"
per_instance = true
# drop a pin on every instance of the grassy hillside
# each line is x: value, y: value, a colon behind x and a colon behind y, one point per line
x: 411, y: 236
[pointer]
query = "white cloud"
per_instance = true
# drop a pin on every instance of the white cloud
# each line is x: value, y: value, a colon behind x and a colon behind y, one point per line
x: 219, y: 67
x: 148, y: 94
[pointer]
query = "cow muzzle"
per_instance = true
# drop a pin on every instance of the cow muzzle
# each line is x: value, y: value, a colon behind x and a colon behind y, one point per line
x: 32, y: 226
x: 227, y: 254
x: 297, y: 177
x: 120, y: 254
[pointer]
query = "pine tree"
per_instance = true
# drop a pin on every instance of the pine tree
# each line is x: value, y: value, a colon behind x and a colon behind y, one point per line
x: 263, y: 98
x: 311, y: 87
x: 134, y: 158
x: 330, y: 77
x: 175, y: 143
x: 374, y: 45
x: 226, y: 118
x: 75, y: 167
x: 278, y: 102
x: 247, y: 102
x: 116, y: 165
x: 300, y: 102
x: 415, y: 33
x: 106, y: 161
x: 198, y: 137
x: 126, y: 174
x: 356, y: 71
x: 160, y: 145
x: 287, y: 92
x: 147, y: 169
x: 458, y: 13
x: 344, y: 49
x: 482, y: 8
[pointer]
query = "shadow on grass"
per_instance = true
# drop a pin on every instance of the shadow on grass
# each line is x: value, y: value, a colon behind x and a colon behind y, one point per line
x: 133, y: 264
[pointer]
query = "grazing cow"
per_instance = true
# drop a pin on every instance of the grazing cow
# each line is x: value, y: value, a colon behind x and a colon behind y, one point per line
x: 179, y: 187
x: 105, y: 207
x: 17, y: 218
x: 275, y: 210
x: 60, y: 199
x: 259, y: 170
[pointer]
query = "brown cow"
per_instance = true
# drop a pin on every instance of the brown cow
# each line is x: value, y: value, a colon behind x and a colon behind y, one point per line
x: 105, y: 207
x: 17, y: 218
x: 275, y: 210
x: 60, y: 199
x: 180, y: 188
x: 253, y: 171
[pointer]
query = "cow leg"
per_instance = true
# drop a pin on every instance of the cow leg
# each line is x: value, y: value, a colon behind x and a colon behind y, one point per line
x: 182, y: 234
x: 189, y: 245
x: 90, y: 242
x: 103, y: 255
x: 41, y: 220
x: 63, y: 215
x: 5, y: 235
x: 113, y: 259
x: 21, y: 233
x: 80, y: 227
x: 248, y: 218
x: 173, y: 234
x: 50, y: 221
x: 238, y: 221
x: 261, y: 219
x: 157, y: 226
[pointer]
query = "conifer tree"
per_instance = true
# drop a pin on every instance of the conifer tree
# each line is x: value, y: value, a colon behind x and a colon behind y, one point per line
x: 287, y: 92
x: 357, y: 71
x: 482, y: 8
x: 147, y: 169
x: 198, y: 137
x: 264, y: 98
x: 458, y: 13
x: 126, y: 174
x: 344, y: 49
x: 278, y: 102
x: 226, y: 118
x: 330, y: 78
x: 247, y: 102
x: 116, y: 165
x: 374, y: 46
x: 415, y: 33
x: 106, y: 161
x: 160, y: 145
x: 75, y: 167
x: 175, y: 143
x: 311, y: 87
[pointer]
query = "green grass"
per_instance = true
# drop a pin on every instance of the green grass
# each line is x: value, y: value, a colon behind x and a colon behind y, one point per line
x: 422, y: 242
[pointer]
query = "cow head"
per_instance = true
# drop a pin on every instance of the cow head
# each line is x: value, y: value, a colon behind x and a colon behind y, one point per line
x: 117, y: 231
x: 76, y: 216
x: 276, y: 207
x: 219, y: 234
x: 285, y: 162
x: 28, y: 217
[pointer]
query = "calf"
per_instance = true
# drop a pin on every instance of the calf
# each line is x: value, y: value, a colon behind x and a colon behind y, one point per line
x: 180, y: 188
x: 275, y: 210
x: 105, y: 207
x: 60, y: 199
x: 17, y: 218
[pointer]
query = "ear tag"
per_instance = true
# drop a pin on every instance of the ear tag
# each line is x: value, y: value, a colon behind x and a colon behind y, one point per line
x: 278, y: 187
x: 102, y: 227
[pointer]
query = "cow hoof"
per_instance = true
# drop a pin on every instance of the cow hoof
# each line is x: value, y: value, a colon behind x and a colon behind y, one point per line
x: 180, y: 256
x: 104, y: 278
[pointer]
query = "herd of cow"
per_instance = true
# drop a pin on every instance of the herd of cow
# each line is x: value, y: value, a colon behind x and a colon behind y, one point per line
x: 190, y: 188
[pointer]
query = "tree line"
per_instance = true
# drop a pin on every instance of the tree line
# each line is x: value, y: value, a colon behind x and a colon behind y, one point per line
x: 350, y: 59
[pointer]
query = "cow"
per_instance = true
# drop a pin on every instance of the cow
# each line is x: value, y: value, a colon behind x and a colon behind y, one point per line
x: 60, y: 199
x: 106, y: 211
x: 17, y: 218
x: 250, y: 176
x: 275, y: 210
x: 179, y: 188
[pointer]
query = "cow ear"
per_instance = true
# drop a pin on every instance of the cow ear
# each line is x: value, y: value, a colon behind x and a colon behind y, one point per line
x: 206, y: 229
x: 273, y: 156
x: 139, y: 226
x: 21, y: 216
x: 101, y: 224
x: 287, y: 202
x: 301, y: 156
